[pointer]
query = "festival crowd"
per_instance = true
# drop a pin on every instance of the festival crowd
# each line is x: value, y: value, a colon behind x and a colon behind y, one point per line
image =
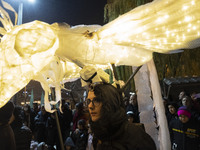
x: 36, y: 129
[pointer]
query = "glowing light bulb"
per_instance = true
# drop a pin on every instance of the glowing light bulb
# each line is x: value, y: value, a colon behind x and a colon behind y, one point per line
x: 188, y: 19
x: 193, y: 2
x: 185, y: 7
x: 9, y: 77
x: 194, y: 27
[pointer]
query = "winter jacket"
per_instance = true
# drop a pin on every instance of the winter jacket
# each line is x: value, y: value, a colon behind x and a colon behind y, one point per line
x: 7, y: 139
x: 128, y: 137
x: 40, y: 127
x: 23, y: 136
x: 80, y: 139
x: 185, y: 136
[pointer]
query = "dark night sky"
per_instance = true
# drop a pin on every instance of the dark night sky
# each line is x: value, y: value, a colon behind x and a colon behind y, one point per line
x: 73, y: 12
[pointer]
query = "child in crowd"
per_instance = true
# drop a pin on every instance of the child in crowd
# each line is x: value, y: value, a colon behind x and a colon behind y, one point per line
x: 184, y: 131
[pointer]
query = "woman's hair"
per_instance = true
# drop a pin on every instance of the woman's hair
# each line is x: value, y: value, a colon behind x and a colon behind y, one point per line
x: 110, y: 97
x: 112, y: 112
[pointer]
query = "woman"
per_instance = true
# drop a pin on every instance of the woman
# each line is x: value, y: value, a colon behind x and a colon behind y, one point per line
x: 109, y: 122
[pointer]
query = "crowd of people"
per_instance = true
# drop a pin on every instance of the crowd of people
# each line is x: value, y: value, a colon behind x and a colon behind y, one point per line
x: 105, y: 120
x: 183, y: 117
x: 34, y: 128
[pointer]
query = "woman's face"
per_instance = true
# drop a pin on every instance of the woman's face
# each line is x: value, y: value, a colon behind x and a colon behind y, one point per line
x: 94, y: 106
x: 186, y: 102
x: 172, y: 110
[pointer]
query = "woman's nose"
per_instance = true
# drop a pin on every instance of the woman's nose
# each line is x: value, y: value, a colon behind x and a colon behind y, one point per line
x: 91, y: 106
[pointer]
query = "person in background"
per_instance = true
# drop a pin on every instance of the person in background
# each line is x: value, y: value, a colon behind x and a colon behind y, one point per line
x: 65, y: 120
x: 185, y: 131
x: 171, y: 112
x: 187, y: 101
x: 109, y: 122
x: 195, y: 102
x: 7, y: 138
x: 79, y: 114
x: 52, y: 134
x: 126, y: 101
x: 40, y: 125
x: 26, y: 115
x: 133, y: 106
x: 180, y: 97
x: 131, y: 116
x: 23, y: 134
x: 33, y: 113
x: 80, y: 135
x: 69, y: 144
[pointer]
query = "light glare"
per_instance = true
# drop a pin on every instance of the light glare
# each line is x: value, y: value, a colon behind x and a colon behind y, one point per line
x: 32, y: 1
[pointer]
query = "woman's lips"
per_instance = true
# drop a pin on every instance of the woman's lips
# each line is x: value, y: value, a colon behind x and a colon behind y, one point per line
x: 93, y: 113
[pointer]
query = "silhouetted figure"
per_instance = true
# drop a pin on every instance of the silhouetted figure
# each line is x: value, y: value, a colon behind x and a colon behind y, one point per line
x: 7, y: 139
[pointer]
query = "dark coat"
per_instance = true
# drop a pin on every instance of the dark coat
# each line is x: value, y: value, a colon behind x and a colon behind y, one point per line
x: 171, y: 117
x: 185, y: 135
x: 80, y: 139
x: 23, y: 136
x: 40, y: 127
x: 128, y: 137
x: 7, y: 139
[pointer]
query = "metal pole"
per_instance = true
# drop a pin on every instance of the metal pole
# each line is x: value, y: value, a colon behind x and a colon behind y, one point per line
x: 20, y: 12
x: 57, y: 123
x: 59, y: 131
x: 134, y: 73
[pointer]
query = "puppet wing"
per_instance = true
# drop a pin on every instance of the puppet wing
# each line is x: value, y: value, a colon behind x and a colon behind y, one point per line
x: 160, y: 26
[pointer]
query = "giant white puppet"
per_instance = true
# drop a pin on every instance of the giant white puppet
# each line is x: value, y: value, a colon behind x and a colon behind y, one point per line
x: 53, y: 53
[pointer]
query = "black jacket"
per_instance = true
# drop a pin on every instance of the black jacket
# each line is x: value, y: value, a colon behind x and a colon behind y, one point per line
x: 23, y: 136
x: 128, y: 137
x: 80, y: 139
x: 185, y: 136
x: 7, y: 139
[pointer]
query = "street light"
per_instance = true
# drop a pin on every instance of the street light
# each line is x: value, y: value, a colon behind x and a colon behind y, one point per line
x: 20, y: 12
